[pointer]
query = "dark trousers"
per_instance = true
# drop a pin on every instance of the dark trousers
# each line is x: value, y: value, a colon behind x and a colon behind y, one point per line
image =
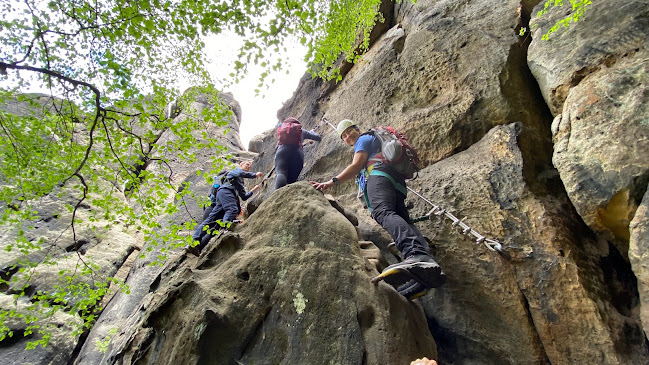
x: 389, y: 210
x: 289, y: 160
x: 226, y: 209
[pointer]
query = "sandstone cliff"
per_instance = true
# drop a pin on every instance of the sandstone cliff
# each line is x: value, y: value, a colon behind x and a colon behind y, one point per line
x: 541, y: 145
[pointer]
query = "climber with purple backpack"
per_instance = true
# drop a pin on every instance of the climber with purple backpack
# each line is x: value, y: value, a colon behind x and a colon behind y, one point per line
x: 383, y: 159
x: 289, y: 156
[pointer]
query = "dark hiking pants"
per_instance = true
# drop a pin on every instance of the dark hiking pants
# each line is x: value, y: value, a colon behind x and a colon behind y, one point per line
x: 389, y: 210
x: 289, y: 160
x: 226, y: 209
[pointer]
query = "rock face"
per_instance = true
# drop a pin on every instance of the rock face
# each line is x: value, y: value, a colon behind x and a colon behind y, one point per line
x: 107, y: 247
x: 541, y: 145
x: 560, y: 195
x: 638, y: 255
x: 597, y: 89
x: 111, y: 246
x: 542, y: 299
x: 290, y: 293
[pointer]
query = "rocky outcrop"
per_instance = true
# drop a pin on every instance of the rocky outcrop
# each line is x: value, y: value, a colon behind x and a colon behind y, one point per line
x: 542, y: 300
x: 596, y: 88
x: 541, y: 149
x: 639, y: 256
x: 595, y: 84
x: 292, y: 293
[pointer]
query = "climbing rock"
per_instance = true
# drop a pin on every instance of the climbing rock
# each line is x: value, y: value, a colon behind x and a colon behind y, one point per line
x: 601, y: 140
x: 600, y: 132
x: 584, y: 50
x: 545, y: 292
x: 274, y: 293
x: 639, y: 256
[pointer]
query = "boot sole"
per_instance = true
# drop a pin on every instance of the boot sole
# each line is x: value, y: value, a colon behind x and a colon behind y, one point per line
x: 428, y: 274
x: 413, y: 291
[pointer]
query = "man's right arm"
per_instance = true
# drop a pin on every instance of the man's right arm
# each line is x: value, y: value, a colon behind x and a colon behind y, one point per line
x: 349, y: 172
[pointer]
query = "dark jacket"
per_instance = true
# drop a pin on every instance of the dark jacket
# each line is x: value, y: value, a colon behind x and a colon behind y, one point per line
x: 234, y: 181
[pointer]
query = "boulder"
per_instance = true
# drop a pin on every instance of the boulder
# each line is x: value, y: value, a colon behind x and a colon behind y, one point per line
x: 292, y: 293
x: 592, y: 77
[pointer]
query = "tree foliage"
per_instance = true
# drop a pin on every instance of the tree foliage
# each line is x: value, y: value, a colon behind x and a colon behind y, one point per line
x: 110, y: 68
x: 577, y: 11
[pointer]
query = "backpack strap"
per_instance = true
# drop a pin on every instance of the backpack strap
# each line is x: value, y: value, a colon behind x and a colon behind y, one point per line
x: 371, y: 171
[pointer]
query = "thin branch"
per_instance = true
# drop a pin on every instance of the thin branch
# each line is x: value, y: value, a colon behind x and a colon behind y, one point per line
x: 11, y: 138
x: 127, y: 131
x: 86, y: 265
x: 171, y: 171
x: 69, y: 80
x: 110, y: 144
x: 74, y: 212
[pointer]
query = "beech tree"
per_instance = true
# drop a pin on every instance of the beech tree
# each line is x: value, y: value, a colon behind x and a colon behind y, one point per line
x: 110, y: 68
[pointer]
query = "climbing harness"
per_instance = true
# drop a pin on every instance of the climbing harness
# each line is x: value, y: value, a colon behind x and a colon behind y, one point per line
x: 492, y: 245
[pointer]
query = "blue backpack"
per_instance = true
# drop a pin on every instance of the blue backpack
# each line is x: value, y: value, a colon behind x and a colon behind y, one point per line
x: 217, y: 181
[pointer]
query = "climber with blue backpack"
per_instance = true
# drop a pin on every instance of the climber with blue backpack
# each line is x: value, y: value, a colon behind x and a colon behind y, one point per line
x: 383, y: 159
x: 289, y: 156
x: 226, y: 204
x: 216, y: 184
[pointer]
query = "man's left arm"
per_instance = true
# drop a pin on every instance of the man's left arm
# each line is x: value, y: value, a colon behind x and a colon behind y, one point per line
x: 311, y: 135
x: 242, y: 190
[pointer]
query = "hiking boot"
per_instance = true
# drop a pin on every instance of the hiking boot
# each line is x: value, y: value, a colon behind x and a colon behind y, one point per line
x: 194, y: 250
x: 413, y: 289
x: 422, y: 268
x: 430, y: 272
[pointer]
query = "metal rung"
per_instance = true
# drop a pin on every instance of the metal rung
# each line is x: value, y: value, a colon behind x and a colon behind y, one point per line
x: 457, y: 222
x: 432, y: 211
x: 491, y: 244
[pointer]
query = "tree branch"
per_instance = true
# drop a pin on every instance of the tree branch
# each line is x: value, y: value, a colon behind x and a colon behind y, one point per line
x: 74, y: 212
x: 99, y: 109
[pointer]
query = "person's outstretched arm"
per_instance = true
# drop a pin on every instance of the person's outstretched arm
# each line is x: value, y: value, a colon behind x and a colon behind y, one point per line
x: 349, y: 172
x: 241, y: 189
x: 310, y: 135
x: 250, y: 175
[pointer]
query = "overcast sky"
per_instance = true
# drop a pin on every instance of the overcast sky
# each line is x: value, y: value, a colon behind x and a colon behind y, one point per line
x: 259, y: 113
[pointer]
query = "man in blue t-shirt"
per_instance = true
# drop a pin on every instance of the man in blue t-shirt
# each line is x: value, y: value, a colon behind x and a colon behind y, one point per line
x: 227, y: 205
x: 385, y: 191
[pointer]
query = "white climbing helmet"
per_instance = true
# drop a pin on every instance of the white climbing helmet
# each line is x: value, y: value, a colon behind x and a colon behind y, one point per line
x: 344, y: 124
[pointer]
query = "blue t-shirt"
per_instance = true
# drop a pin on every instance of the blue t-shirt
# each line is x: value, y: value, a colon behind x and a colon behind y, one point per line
x: 367, y: 143
x: 371, y: 145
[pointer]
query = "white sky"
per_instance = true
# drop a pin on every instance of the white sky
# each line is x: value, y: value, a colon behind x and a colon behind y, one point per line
x: 259, y: 113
